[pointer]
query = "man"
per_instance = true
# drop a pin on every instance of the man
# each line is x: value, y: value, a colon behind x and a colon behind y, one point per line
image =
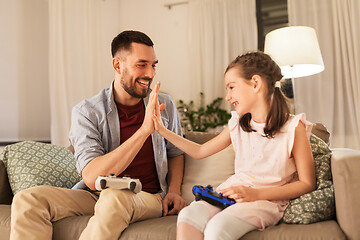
x: 113, y: 133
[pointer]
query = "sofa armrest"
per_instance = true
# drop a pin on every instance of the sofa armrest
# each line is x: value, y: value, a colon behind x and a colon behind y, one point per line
x: 345, y: 165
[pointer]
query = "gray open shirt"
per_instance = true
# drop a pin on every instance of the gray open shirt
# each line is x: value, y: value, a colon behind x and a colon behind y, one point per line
x: 95, y: 131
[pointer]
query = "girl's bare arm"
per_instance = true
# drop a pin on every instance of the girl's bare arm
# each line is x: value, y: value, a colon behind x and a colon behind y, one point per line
x: 195, y: 150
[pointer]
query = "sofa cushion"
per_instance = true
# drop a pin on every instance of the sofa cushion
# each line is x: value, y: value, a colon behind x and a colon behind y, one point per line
x: 70, y: 227
x: 30, y: 164
x: 318, y: 205
x: 211, y: 170
x: 321, y: 230
x: 5, y: 211
x: 163, y: 228
x: 321, y: 132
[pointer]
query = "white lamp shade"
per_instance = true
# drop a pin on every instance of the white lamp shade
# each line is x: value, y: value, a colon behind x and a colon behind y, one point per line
x: 296, y: 50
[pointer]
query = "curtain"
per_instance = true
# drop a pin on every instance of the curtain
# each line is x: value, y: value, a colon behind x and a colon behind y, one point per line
x: 333, y: 96
x: 219, y: 30
x: 77, y: 57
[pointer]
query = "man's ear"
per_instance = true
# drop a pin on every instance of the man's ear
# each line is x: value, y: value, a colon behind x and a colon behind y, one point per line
x: 116, y: 62
x: 257, y: 82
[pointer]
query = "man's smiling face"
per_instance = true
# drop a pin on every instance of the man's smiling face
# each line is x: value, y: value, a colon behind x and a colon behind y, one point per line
x: 138, y: 70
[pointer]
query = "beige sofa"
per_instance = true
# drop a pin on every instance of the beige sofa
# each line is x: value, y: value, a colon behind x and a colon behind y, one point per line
x: 213, y: 170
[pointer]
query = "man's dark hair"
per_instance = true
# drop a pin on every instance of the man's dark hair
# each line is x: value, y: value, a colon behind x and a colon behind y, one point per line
x: 125, y: 38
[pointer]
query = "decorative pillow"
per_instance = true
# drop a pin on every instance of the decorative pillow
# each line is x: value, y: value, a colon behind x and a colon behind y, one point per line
x: 211, y: 170
x: 318, y: 205
x: 30, y: 164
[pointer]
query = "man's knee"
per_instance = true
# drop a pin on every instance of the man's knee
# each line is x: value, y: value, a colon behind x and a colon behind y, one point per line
x: 113, y: 197
x: 31, y: 194
x: 29, y: 199
x: 111, y: 193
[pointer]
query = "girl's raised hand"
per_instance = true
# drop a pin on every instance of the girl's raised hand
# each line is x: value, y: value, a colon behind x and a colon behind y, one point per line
x: 148, y: 124
x: 158, y: 123
x: 241, y: 193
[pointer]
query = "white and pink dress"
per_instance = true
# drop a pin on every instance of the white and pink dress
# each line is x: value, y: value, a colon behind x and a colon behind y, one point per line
x: 261, y: 162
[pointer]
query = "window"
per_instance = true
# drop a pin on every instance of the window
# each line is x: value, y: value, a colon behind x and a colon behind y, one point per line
x: 271, y: 14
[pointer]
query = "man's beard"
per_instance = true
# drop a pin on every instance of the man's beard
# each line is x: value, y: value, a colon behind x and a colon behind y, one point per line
x: 131, y: 89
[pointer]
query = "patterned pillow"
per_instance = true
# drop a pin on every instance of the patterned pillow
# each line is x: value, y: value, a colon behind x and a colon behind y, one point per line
x: 30, y: 164
x: 318, y: 205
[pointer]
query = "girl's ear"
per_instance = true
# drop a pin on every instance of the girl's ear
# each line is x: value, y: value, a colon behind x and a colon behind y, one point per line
x: 257, y: 82
x: 116, y: 64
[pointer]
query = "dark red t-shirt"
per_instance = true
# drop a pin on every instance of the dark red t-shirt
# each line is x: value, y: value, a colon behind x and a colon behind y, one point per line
x: 143, y: 166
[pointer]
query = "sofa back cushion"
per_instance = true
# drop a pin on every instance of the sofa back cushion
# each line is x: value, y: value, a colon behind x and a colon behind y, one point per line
x: 211, y: 170
x: 30, y: 164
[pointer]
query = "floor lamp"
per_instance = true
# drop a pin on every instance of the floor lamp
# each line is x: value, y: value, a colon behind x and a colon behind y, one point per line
x: 296, y: 50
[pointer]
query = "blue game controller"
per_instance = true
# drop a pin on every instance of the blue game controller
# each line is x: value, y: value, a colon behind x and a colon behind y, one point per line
x: 209, y: 195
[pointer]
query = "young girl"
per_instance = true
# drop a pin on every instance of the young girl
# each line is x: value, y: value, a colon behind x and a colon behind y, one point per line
x: 273, y: 159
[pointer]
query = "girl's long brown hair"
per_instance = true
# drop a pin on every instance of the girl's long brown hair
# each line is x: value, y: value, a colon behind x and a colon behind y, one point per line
x: 259, y: 63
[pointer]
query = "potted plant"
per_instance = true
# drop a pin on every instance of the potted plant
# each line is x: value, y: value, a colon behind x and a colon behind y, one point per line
x: 202, y: 118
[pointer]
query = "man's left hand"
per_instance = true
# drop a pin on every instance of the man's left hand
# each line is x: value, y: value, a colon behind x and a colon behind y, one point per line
x: 173, y: 203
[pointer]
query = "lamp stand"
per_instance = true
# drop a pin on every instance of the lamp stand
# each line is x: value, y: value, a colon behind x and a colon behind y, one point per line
x: 293, y: 90
x: 287, y: 88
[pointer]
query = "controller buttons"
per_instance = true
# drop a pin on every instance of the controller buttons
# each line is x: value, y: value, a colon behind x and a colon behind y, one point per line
x: 103, y: 183
x: 132, y: 186
x: 216, y: 194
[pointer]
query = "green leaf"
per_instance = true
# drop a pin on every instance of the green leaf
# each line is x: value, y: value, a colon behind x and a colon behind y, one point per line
x: 204, y: 117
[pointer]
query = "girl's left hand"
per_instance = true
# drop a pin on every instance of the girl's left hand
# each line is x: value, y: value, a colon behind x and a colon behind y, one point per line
x: 241, y: 193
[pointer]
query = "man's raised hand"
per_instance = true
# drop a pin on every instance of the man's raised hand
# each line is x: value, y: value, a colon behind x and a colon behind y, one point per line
x: 148, y: 124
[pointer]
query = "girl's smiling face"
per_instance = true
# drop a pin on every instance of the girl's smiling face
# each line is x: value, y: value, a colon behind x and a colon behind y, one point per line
x: 240, y: 91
